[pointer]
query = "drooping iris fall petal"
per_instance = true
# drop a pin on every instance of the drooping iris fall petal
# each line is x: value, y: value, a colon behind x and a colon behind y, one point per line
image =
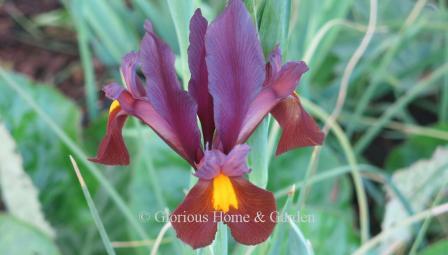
x: 198, y: 203
x: 298, y: 128
x: 112, y: 150
x: 198, y: 85
x: 235, y: 66
x: 144, y: 110
x: 259, y: 205
x: 223, y: 191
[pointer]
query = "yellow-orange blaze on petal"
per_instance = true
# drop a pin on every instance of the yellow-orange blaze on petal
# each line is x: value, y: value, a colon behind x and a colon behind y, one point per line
x: 115, y: 105
x: 223, y: 194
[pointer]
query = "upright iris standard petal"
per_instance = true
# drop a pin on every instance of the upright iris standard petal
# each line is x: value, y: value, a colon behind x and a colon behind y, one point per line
x: 198, y: 85
x: 298, y: 128
x: 235, y: 66
x: 112, y: 150
x: 166, y: 96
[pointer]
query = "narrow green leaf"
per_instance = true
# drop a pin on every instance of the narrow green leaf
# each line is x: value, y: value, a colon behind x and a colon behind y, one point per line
x: 93, y: 211
x: 274, y: 24
x: 259, y: 155
x: 303, y: 246
x: 181, y: 12
x: 221, y: 240
x: 86, y: 59
x: 156, y: 12
x: 277, y: 243
x: 436, y: 249
x: 255, y: 8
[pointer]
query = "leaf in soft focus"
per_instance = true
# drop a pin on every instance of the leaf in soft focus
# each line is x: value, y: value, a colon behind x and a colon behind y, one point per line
x: 331, y: 231
x: 307, y: 17
x: 258, y: 157
x: 298, y: 244
x: 291, y: 167
x: 17, y: 189
x: 45, y: 157
x: 255, y: 8
x: 157, y: 11
x: 106, y: 22
x: 181, y: 12
x: 278, y: 244
x: 288, y: 237
x: 274, y: 24
x: 19, y: 238
x: 438, y: 248
x: 406, y: 154
x: 328, y: 202
x: 418, y: 184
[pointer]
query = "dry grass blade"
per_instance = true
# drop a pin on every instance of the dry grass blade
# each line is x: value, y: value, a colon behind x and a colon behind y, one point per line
x: 159, y: 238
x: 442, y: 209
x: 93, y: 211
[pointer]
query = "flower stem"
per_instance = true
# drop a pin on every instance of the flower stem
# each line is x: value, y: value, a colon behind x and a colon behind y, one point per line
x: 220, y: 244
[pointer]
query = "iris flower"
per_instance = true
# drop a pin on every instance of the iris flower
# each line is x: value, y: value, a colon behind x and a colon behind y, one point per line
x: 231, y: 90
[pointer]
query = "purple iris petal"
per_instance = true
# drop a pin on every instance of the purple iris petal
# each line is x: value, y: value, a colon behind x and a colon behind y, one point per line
x: 113, y: 90
x: 215, y: 162
x: 274, y: 65
x: 236, y: 161
x: 210, y: 165
x: 164, y: 93
x: 282, y: 85
x: 128, y: 70
x: 236, y: 69
x: 198, y: 85
x: 298, y: 128
x: 142, y: 109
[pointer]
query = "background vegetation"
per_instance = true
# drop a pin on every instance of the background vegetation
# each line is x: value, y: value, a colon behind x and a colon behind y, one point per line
x: 378, y: 84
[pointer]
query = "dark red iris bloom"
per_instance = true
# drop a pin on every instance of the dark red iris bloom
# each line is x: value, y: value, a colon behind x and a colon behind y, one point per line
x: 231, y: 90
